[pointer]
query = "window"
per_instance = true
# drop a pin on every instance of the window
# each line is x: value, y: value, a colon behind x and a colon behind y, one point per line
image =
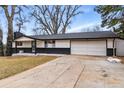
x: 19, y: 43
x: 50, y: 44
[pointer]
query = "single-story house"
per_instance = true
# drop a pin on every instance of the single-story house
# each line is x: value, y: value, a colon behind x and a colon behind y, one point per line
x: 102, y: 43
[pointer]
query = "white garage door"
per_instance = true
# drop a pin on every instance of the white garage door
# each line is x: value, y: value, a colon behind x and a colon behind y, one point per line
x: 88, y: 47
x: 119, y: 47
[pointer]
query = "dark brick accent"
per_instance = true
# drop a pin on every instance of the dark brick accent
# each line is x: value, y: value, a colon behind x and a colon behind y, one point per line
x: 44, y: 50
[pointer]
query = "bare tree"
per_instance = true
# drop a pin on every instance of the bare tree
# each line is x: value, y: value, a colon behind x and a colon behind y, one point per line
x: 10, y: 12
x: 20, y: 21
x: 1, y: 41
x: 87, y: 29
x: 54, y: 19
x: 1, y: 33
x: 39, y: 31
x: 96, y: 28
x: 9, y: 17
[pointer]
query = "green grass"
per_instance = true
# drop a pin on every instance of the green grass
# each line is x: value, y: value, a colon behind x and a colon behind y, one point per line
x: 12, y: 65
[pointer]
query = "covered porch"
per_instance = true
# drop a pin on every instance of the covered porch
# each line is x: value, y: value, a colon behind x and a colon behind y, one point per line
x: 24, y: 45
x: 34, y: 46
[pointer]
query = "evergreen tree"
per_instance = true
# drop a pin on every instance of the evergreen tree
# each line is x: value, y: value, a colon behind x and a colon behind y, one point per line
x: 112, y: 17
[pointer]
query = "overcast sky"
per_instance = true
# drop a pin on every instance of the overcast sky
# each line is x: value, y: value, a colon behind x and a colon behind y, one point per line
x: 87, y: 19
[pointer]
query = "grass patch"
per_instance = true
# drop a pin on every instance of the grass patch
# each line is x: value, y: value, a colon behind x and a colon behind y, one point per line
x: 12, y: 65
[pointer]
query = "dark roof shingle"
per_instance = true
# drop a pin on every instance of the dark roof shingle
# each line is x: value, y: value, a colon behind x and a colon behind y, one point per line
x: 82, y: 35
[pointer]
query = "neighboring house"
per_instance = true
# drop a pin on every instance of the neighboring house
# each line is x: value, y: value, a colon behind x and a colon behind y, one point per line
x: 104, y: 43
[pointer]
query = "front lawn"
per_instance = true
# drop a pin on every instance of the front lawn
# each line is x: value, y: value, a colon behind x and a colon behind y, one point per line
x: 13, y: 65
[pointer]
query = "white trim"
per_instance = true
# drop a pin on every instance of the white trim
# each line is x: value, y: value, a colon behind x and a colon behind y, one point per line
x: 23, y: 38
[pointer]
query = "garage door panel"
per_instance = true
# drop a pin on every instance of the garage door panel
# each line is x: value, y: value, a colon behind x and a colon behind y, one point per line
x: 95, y: 49
x: 80, y: 45
x: 94, y: 53
x: 88, y: 47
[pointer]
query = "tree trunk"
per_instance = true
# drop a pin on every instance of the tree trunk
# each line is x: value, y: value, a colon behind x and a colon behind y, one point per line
x: 1, y: 49
x: 1, y: 43
x: 9, y: 38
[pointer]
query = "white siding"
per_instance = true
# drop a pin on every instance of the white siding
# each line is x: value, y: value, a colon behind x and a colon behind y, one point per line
x: 40, y: 44
x: 110, y: 43
x: 62, y: 43
x: 24, y: 39
x: 13, y: 44
x: 119, y: 47
x: 88, y: 47
x: 25, y: 44
x: 50, y: 45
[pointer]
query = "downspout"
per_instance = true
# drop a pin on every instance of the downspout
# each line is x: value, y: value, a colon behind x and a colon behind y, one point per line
x: 106, y: 48
x: 114, y: 49
x: 70, y: 46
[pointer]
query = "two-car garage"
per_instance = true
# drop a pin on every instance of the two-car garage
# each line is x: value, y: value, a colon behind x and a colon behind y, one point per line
x: 88, y: 47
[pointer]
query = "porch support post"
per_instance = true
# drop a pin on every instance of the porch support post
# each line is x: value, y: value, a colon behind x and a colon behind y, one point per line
x: 106, y: 47
x: 16, y: 46
x: 35, y: 46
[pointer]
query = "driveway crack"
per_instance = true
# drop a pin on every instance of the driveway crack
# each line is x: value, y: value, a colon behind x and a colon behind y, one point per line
x: 60, y: 75
x: 83, y: 67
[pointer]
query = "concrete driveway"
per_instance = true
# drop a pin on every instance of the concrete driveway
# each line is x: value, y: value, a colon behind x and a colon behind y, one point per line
x: 68, y: 72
